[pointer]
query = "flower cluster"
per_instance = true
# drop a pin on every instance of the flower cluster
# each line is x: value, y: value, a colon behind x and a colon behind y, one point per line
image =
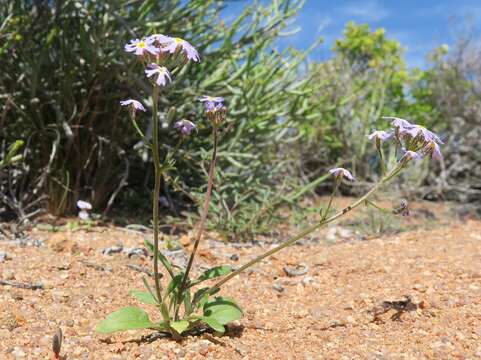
x: 416, y: 141
x: 153, y: 50
x: 158, y: 45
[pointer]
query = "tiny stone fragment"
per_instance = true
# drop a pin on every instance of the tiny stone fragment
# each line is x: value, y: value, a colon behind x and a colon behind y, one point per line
x: 136, y: 251
x: 112, y: 250
x: 299, y: 270
x: 278, y: 287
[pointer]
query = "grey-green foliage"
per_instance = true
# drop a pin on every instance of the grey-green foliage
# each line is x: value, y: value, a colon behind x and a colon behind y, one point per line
x: 64, y: 72
x: 363, y: 81
x: 452, y: 86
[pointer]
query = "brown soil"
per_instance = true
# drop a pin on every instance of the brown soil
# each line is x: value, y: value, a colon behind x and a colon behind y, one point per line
x: 414, y: 295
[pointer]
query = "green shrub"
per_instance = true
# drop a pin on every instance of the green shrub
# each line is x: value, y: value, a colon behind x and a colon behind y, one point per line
x: 65, y: 72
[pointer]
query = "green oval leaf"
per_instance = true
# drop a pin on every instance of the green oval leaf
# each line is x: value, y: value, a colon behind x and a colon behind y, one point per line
x: 128, y: 318
x: 213, y: 323
x: 222, y: 310
x: 144, y: 297
x: 180, y: 326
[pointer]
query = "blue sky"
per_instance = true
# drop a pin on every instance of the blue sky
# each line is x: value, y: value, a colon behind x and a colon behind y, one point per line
x: 419, y: 25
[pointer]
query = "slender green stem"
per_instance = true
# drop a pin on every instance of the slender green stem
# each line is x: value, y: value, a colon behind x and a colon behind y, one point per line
x: 312, y: 227
x: 155, y: 199
x: 381, y: 159
x: 203, y: 219
x: 336, y: 186
x: 386, y: 211
x: 137, y: 128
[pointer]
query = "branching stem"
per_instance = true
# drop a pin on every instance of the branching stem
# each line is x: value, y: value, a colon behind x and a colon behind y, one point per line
x: 314, y: 227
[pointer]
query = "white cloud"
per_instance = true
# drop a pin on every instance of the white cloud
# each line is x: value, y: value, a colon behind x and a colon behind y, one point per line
x: 366, y: 10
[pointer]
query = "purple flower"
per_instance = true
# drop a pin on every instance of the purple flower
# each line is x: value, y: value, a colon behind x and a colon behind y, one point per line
x: 160, y: 38
x: 171, y: 45
x: 403, y: 208
x: 84, y: 209
x: 410, y: 155
x: 163, y: 75
x: 185, y: 126
x: 83, y: 205
x: 212, y: 103
x: 398, y: 122
x: 433, y: 149
x: 341, y: 172
x: 139, y: 47
x: 214, y: 99
x: 136, y: 105
x: 380, y: 135
x: 423, y: 133
x: 214, y: 107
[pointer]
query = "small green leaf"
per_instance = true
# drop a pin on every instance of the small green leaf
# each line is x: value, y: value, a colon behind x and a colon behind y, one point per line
x: 127, y: 318
x: 202, y: 295
x: 163, y: 326
x: 223, y: 310
x: 213, y: 273
x: 162, y: 258
x: 174, y: 284
x: 199, y: 296
x: 213, y: 323
x: 180, y: 326
x: 146, y: 283
x: 165, y: 312
x: 187, y: 302
x: 144, y: 297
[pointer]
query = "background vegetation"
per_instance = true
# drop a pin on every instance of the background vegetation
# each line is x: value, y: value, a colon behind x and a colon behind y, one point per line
x: 63, y: 136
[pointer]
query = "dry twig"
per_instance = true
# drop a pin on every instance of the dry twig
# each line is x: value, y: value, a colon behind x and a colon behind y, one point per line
x: 38, y: 286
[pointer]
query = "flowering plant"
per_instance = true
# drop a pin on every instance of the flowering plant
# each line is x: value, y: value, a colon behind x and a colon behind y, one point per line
x: 183, y: 309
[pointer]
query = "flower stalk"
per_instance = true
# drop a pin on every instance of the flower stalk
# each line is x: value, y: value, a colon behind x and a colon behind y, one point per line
x: 155, y: 198
x: 203, y: 218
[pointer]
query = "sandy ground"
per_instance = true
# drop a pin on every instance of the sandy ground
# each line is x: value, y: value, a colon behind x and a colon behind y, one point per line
x: 413, y: 295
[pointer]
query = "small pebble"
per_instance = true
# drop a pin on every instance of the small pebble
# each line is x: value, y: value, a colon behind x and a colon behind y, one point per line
x: 19, y: 353
x: 136, y: 251
x: 112, y: 250
x: 241, y: 349
x: 308, y: 280
x: 299, y: 270
x: 278, y: 287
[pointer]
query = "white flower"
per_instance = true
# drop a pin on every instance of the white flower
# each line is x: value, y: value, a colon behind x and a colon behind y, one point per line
x: 84, y: 215
x: 161, y: 72
x: 83, y: 205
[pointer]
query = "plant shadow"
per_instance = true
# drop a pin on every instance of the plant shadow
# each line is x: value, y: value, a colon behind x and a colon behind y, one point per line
x: 232, y: 331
